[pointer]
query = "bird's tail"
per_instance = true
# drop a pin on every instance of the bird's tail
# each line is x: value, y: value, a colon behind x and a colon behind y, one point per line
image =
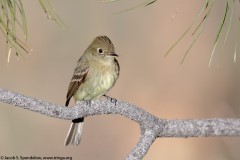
x: 74, y: 133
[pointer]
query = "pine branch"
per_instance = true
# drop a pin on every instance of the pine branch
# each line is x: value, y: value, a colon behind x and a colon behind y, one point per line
x: 151, y: 126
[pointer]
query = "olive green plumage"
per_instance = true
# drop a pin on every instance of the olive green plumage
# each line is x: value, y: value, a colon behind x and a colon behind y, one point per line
x: 95, y: 74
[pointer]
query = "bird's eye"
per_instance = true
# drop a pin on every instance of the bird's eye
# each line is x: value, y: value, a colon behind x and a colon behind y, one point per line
x: 100, y: 50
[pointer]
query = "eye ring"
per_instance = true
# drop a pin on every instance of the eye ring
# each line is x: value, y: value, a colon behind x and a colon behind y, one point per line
x: 100, y: 50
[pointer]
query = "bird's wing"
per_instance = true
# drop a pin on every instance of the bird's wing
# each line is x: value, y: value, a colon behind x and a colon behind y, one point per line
x: 78, y: 78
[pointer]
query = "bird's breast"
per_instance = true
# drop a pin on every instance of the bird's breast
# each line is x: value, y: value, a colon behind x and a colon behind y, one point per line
x: 99, y: 80
x: 104, y: 77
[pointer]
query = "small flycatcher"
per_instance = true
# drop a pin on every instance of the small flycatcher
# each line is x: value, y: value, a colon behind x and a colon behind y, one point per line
x: 95, y: 74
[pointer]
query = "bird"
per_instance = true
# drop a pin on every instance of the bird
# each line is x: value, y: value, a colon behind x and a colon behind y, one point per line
x: 96, y: 72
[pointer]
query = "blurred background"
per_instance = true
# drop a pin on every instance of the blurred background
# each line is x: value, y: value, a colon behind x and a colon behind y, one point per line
x: 161, y: 86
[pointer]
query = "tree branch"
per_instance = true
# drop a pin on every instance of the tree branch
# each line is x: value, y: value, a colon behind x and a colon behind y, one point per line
x: 151, y: 126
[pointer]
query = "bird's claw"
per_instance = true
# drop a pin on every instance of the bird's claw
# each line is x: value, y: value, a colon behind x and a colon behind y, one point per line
x: 113, y: 100
x: 88, y: 102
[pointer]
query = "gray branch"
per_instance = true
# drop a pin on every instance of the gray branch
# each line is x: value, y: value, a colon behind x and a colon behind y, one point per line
x: 151, y: 126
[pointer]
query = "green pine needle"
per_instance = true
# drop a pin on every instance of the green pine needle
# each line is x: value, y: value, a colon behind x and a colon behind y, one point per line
x: 198, y: 31
x: 204, y: 7
x: 218, y: 34
x: 230, y: 21
x: 10, y: 22
x: 51, y: 13
x: 230, y: 6
x: 145, y: 3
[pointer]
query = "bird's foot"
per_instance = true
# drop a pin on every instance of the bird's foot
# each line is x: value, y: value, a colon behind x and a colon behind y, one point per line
x: 88, y: 102
x: 113, y: 100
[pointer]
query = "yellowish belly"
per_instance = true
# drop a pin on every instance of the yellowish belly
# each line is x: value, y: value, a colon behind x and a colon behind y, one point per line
x: 95, y: 86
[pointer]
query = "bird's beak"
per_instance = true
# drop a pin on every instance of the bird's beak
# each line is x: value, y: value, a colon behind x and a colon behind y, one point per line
x: 113, y: 54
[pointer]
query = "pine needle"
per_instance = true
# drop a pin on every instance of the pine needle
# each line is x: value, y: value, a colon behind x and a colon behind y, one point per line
x: 12, y: 17
x: 205, y: 6
x: 230, y: 21
x: 218, y: 34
